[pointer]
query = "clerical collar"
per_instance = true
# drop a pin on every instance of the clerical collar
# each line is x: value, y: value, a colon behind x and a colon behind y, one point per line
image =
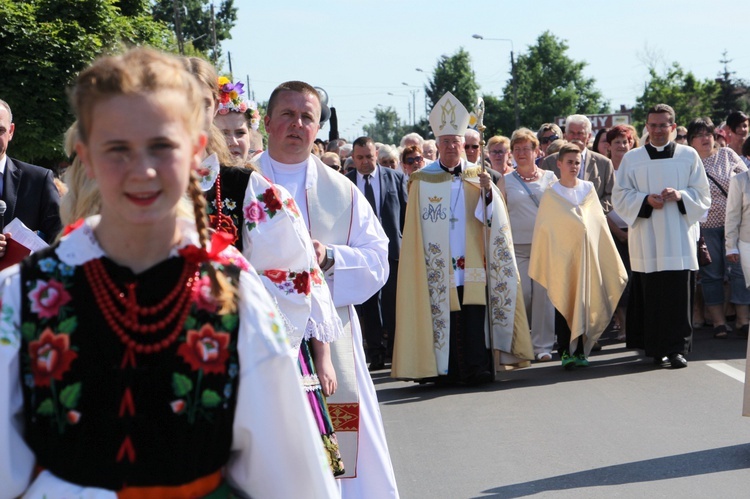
x: 456, y: 171
x: 663, y: 152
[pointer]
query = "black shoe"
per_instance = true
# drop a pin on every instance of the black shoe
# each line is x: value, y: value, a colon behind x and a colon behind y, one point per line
x: 677, y: 361
x: 597, y: 347
x: 480, y: 378
x: 378, y: 362
x: 377, y: 366
x: 661, y: 361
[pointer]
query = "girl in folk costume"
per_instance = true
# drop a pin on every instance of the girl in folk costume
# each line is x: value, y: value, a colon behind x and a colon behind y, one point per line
x: 267, y: 227
x: 138, y: 360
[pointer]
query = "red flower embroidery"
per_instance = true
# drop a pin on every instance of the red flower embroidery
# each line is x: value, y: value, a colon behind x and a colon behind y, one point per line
x: 292, y: 207
x: 206, y: 349
x: 276, y: 276
x: 50, y: 357
x: 302, y: 283
x: 202, y: 296
x: 47, y: 298
x: 460, y: 262
x: 272, y: 199
x: 317, y: 276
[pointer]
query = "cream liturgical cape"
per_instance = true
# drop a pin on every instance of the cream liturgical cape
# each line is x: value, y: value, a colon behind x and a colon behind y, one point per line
x: 574, y: 257
x: 426, y: 286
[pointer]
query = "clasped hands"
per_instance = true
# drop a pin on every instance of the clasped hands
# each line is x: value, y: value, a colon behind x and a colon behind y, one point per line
x: 657, y: 200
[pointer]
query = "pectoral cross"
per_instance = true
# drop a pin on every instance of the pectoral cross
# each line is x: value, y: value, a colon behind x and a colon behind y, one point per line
x: 453, y: 221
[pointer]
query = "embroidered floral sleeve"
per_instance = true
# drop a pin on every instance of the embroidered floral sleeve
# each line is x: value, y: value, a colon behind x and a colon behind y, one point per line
x: 278, y: 245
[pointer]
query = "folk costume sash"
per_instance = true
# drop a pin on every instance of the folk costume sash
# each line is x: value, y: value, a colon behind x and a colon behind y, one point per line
x: 426, y: 277
x: 331, y: 225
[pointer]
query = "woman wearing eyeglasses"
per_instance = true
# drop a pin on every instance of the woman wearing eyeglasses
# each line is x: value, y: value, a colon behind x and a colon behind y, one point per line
x: 523, y: 190
x: 411, y: 160
x: 721, y: 165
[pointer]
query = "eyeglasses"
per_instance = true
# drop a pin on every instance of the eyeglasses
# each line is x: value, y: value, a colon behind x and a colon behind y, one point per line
x: 703, y: 135
x: 517, y: 150
x: 471, y: 146
x: 550, y: 139
x: 659, y: 126
x: 681, y: 137
x: 498, y: 152
x: 416, y: 159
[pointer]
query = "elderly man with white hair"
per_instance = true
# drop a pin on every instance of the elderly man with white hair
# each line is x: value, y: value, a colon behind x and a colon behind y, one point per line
x: 595, y: 168
x: 440, y: 327
x: 412, y: 139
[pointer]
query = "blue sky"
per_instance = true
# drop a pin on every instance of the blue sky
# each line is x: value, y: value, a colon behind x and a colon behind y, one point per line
x: 360, y: 51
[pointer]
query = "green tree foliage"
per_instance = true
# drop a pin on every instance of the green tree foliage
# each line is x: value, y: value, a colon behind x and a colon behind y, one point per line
x: 195, y: 22
x: 689, y: 97
x: 549, y: 84
x: 734, y: 94
x: 45, y: 43
x: 453, y: 74
x: 387, y: 128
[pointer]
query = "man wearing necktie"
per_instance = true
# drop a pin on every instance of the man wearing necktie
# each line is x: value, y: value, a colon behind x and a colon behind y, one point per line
x: 385, y: 190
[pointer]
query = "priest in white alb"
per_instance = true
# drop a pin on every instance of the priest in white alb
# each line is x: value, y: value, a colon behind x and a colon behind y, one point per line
x: 661, y: 191
x: 442, y: 331
x: 352, y: 252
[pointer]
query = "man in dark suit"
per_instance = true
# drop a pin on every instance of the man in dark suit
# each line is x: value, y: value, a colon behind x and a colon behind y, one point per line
x: 596, y: 168
x: 28, y: 191
x: 385, y: 189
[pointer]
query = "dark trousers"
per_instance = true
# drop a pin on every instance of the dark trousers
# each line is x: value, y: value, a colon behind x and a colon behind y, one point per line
x: 377, y: 316
x: 562, y: 331
x: 659, y: 315
x: 469, y: 355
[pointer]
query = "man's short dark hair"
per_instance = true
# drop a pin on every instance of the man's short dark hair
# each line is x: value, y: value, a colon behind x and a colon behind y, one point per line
x: 699, y: 125
x: 662, y: 108
x: 735, y: 119
x: 290, y: 86
x: 362, y: 142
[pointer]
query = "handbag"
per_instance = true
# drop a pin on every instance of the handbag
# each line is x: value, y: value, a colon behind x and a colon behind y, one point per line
x: 704, y: 257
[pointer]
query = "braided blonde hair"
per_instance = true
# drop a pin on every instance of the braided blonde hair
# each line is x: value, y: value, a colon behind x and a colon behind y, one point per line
x: 141, y: 71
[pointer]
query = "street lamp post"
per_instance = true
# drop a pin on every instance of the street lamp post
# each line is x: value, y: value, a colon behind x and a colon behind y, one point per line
x: 513, y: 76
x: 413, y: 102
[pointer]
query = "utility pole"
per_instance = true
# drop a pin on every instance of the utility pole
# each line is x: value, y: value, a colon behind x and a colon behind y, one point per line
x: 178, y: 26
x: 213, y: 34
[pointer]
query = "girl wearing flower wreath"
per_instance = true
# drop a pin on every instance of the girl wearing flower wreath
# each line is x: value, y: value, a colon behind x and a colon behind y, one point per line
x: 238, y: 119
x: 267, y: 227
x: 138, y: 359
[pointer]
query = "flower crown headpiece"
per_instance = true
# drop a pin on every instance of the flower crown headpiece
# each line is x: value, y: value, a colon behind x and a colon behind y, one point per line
x: 232, y: 99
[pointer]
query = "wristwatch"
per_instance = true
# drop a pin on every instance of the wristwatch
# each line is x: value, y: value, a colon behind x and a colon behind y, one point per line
x: 329, y: 260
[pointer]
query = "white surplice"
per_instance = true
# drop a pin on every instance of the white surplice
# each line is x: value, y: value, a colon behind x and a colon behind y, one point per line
x: 276, y: 451
x: 361, y: 269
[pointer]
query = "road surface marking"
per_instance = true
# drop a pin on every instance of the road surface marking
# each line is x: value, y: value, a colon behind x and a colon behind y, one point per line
x: 728, y: 370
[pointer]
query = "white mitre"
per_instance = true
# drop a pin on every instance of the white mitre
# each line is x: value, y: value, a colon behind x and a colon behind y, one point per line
x: 449, y: 116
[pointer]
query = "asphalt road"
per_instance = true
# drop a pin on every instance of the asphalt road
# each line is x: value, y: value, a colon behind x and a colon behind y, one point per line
x: 621, y: 428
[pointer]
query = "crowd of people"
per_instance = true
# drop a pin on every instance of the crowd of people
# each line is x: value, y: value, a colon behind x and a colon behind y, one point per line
x: 202, y: 322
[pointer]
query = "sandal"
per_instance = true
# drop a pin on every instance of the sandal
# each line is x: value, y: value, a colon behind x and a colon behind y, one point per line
x: 742, y: 331
x: 544, y: 357
x: 720, y: 332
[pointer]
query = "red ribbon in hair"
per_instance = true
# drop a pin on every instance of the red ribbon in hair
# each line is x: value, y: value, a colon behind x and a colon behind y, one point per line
x: 71, y: 227
x: 219, y: 242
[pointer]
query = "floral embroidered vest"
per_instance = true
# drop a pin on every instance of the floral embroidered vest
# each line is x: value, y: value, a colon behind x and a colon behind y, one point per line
x: 234, y: 182
x: 101, y: 415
